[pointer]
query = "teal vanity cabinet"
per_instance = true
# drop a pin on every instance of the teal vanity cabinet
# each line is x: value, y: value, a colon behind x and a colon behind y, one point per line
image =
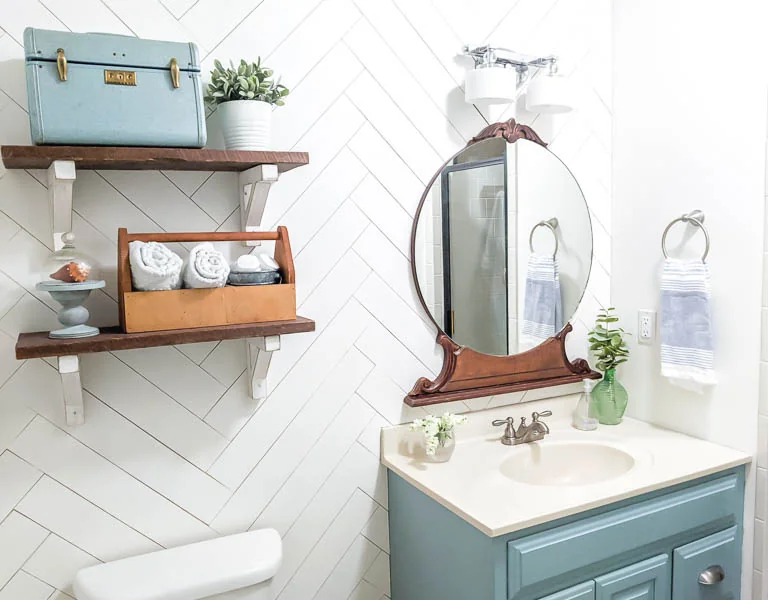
x: 678, y: 543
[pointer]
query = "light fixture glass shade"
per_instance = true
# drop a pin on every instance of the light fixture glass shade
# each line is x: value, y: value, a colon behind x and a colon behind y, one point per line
x: 549, y: 94
x: 490, y: 85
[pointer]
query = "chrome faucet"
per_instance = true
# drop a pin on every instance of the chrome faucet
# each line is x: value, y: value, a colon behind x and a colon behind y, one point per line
x: 524, y: 434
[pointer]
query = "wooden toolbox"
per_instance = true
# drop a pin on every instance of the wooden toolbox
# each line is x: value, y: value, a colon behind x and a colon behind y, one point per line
x: 185, y: 309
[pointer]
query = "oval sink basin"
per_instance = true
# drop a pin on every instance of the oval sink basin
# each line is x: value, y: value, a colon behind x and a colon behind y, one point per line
x: 566, y: 463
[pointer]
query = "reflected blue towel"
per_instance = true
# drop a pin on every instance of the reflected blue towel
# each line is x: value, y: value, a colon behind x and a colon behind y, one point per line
x: 543, y: 310
x: 687, y: 353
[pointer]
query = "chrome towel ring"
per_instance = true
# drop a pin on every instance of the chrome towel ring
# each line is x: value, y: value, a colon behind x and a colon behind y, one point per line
x: 696, y: 218
x: 551, y: 224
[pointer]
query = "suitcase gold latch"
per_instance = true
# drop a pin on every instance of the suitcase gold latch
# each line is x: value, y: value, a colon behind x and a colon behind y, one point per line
x: 119, y: 77
x: 175, y: 73
x: 61, y: 64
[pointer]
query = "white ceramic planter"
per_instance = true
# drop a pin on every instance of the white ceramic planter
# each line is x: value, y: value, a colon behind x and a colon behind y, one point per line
x: 246, y: 124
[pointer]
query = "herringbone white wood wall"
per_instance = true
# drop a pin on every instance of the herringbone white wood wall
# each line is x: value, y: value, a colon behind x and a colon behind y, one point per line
x: 173, y: 450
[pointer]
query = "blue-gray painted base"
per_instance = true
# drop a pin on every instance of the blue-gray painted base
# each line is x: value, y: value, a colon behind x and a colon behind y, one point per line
x: 73, y: 315
x: 78, y: 331
x: 649, y: 547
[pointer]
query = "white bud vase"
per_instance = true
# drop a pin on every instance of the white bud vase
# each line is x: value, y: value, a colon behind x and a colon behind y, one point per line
x: 246, y: 124
x: 444, y: 451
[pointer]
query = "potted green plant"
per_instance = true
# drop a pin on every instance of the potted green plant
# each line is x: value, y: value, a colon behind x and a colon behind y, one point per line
x: 245, y: 96
x: 609, y: 348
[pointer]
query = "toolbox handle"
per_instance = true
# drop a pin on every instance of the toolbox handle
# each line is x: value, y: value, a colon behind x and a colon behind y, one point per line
x: 218, y: 236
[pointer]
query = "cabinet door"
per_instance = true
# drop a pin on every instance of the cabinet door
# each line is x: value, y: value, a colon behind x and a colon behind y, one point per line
x: 583, y: 591
x: 646, y: 580
x: 708, y: 569
x: 576, y: 546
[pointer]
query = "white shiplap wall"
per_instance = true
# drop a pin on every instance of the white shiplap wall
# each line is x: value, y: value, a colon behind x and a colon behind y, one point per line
x: 760, y: 579
x: 173, y: 450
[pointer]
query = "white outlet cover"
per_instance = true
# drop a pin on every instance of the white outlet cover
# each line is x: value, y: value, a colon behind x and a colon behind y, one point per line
x: 646, y: 326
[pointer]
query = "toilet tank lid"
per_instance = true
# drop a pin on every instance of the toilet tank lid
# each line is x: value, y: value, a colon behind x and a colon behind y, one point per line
x: 187, y: 572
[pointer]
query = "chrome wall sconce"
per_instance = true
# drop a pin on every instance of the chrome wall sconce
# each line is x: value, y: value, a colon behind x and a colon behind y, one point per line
x: 501, y: 75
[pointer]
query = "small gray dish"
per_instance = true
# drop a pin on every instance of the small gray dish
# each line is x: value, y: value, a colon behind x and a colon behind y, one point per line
x: 259, y: 278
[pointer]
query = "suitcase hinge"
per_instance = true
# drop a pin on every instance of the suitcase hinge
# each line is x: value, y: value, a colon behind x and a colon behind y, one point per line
x: 61, y: 64
x: 175, y: 73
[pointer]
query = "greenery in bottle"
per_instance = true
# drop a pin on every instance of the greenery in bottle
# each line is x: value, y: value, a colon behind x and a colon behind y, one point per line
x: 607, y: 341
x: 608, y: 346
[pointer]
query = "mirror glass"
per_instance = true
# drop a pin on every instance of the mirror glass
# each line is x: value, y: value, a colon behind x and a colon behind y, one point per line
x: 503, y: 246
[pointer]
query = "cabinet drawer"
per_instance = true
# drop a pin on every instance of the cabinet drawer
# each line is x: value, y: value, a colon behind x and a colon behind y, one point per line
x: 716, y: 556
x: 583, y: 591
x: 536, y: 558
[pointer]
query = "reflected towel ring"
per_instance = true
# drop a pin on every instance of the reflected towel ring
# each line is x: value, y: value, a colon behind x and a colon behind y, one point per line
x: 696, y: 218
x: 551, y: 224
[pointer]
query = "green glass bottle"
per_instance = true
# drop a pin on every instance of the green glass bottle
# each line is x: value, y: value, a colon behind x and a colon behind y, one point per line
x: 610, y: 399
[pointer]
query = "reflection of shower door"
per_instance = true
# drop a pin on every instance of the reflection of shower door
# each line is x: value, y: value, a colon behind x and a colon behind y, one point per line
x: 474, y: 223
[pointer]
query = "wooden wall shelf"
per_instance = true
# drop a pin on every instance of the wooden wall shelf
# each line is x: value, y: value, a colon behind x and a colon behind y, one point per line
x: 262, y: 340
x: 39, y: 345
x: 145, y: 159
x: 257, y: 172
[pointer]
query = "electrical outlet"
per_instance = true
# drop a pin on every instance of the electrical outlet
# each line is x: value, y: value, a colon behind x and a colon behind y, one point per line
x: 646, y: 326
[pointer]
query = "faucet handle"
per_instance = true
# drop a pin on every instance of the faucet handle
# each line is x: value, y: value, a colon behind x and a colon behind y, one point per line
x: 536, y: 416
x: 509, y: 432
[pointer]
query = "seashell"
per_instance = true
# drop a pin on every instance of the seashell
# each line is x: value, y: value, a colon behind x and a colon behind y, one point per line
x: 72, y: 272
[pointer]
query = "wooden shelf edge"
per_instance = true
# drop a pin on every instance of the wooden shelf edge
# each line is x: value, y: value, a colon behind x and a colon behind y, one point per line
x: 143, y: 159
x: 494, y: 390
x: 39, y: 345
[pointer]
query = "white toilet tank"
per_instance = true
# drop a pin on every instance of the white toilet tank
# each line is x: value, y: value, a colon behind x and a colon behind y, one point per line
x: 235, y: 567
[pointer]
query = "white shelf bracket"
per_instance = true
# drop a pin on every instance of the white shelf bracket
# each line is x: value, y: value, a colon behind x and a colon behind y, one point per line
x: 259, y: 356
x: 254, y: 184
x: 72, y: 389
x: 61, y: 177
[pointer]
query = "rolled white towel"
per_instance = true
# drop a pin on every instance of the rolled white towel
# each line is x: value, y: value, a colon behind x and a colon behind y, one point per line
x: 154, y: 267
x: 206, y: 268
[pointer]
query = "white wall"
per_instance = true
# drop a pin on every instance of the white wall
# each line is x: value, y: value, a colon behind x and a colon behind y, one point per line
x: 172, y: 449
x: 689, y: 133
x: 546, y: 190
x: 761, y: 484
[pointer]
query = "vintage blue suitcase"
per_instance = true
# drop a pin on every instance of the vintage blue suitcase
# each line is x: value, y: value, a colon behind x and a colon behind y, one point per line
x: 113, y: 90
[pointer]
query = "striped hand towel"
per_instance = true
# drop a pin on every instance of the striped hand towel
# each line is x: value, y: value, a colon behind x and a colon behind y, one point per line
x: 543, y: 308
x: 687, y: 357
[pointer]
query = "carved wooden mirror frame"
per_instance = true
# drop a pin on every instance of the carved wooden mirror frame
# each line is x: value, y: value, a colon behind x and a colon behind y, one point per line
x: 467, y: 373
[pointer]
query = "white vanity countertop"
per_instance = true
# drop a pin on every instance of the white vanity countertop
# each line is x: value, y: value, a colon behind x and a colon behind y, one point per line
x: 483, y: 482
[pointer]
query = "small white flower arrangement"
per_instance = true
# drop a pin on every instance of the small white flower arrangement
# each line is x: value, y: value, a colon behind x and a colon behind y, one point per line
x: 437, y: 430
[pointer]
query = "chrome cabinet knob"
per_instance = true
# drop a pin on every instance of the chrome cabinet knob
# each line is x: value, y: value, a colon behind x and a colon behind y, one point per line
x: 712, y: 576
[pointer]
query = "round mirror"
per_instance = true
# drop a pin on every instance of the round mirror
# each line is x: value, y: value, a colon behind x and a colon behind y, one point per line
x: 502, y: 246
